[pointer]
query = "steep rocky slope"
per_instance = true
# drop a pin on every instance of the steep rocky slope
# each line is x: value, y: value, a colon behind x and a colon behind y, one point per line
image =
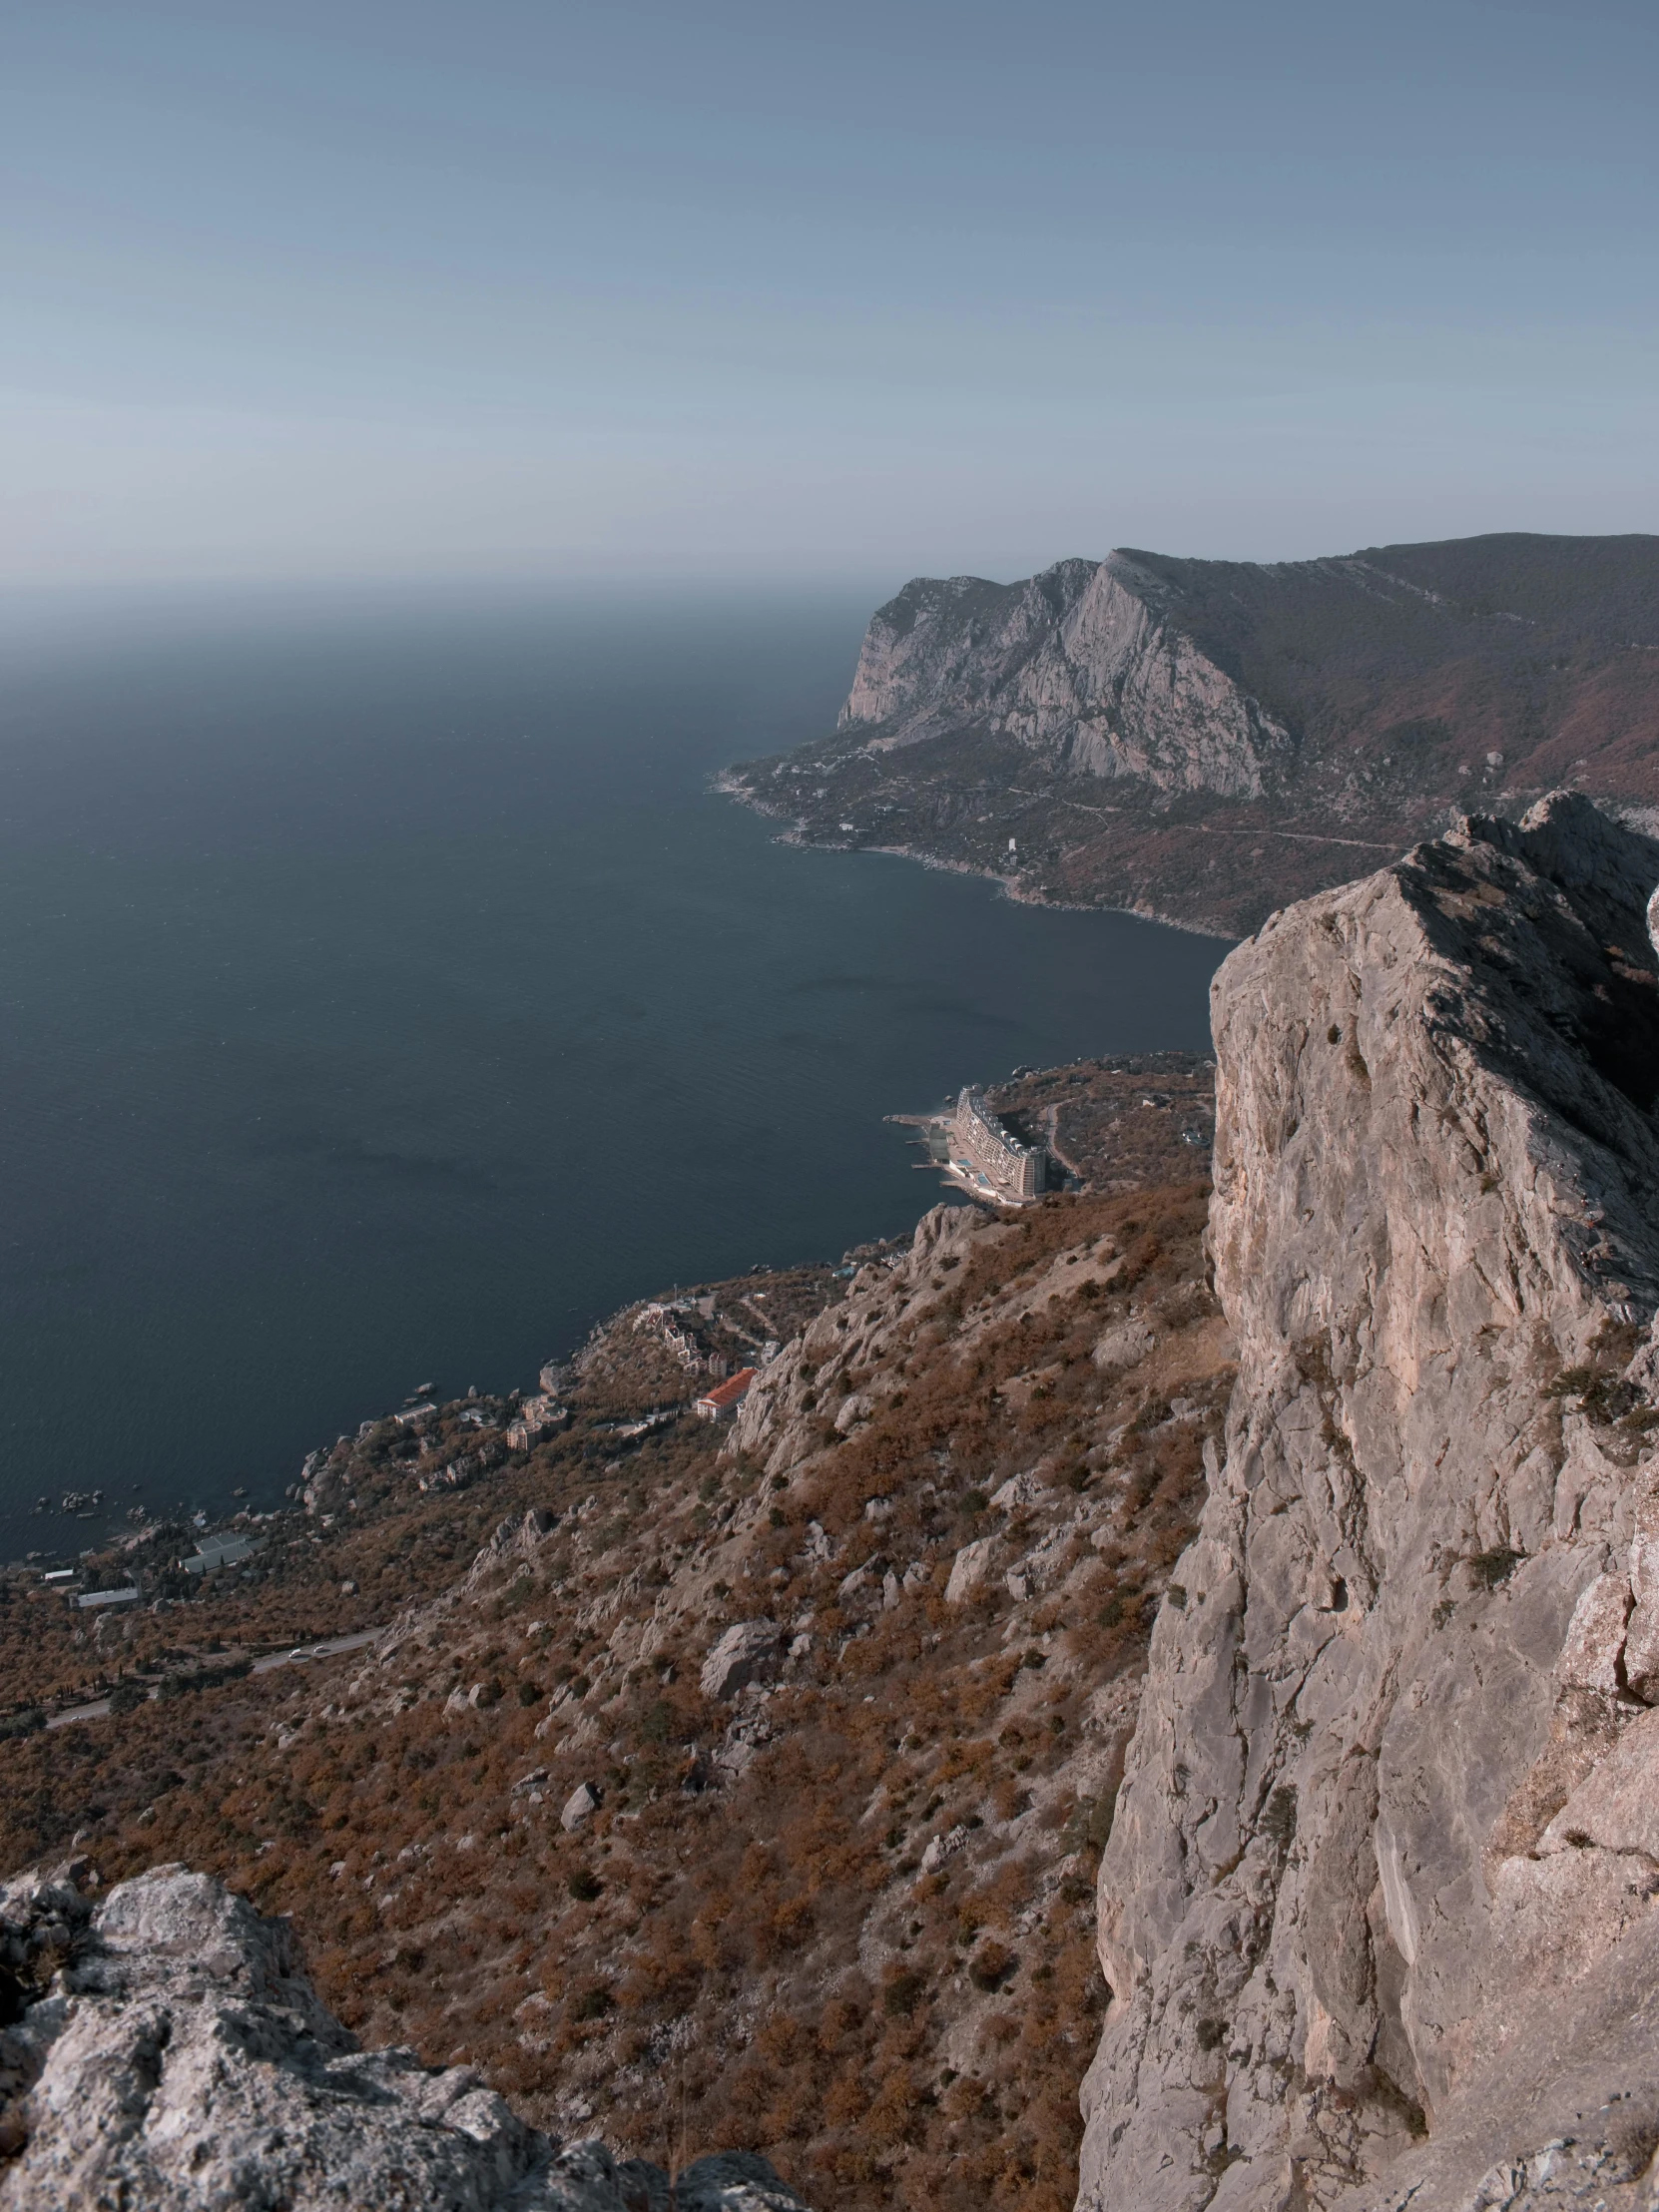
x: 1086, y: 664
x: 1302, y: 718
x: 1377, y: 1909
x: 748, y: 1788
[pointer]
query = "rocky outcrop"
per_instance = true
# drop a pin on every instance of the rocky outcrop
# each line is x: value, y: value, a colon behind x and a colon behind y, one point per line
x: 1377, y: 1908
x: 1082, y: 665
x: 738, y: 1656
x: 779, y: 1422
x: 163, y: 2051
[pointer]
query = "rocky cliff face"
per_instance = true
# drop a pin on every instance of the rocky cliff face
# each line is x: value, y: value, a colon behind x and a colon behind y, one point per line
x: 1378, y: 1910
x: 161, y: 2050
x: 1081, y: 665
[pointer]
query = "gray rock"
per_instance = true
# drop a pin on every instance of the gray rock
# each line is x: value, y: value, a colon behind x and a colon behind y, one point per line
x: 1381, y: 1858
x: 644, y: 2187
x: 579, y: 1808
x: 1594, y: 1643
x: 178, y: 2061
x: 734, y: 2181
x: 742, y: 1654
x: 943, y: 1847
x: 969, y: 1570
x: 1125, y: 1345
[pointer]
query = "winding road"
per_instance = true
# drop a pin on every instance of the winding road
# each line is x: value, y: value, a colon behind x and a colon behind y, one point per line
x: 328, y: 1648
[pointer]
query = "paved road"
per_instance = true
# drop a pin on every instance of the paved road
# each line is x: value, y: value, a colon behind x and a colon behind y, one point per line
x: 325, y: 1649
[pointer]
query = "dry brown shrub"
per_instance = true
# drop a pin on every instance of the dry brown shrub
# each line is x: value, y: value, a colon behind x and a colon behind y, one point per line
x: 750, y: 1902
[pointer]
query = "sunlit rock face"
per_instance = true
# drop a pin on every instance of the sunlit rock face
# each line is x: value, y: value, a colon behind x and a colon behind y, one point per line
x: 1377, y: 1904
x: 1080, y: 663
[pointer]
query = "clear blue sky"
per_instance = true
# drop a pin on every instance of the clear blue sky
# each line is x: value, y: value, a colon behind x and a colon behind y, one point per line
x: 388, y: 287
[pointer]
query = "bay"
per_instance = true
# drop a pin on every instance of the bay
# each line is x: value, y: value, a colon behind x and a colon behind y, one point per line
x: 386, y: 996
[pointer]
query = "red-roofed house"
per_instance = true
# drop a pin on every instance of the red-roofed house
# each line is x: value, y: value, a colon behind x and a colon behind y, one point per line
x: 725, y: 1397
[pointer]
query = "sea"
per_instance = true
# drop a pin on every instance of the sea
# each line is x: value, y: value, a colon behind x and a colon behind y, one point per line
x: 387, y: 995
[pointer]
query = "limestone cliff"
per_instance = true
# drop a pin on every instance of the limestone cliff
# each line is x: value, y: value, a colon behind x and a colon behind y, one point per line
x: 1081, y: 665
x: 162, y: 2050
x: 1378, y: 1907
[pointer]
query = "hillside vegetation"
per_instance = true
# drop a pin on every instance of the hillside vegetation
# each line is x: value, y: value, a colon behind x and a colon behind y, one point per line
x: 748, y: 1787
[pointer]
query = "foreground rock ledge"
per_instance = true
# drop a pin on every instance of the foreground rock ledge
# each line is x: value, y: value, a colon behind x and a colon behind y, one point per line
x: 164, y: 2050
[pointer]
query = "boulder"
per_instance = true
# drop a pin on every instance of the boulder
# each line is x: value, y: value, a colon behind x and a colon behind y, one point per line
x: 579, y: 1808
x: 1125, y: 1345
x: 734, y: 2181
x: 969, y: 1570
x: 943, y: 1847
x: 742, y: 1653
x: 856, y: 1406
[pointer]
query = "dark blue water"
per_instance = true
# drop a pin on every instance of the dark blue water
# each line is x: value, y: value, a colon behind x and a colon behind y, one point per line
x: 384, y: 997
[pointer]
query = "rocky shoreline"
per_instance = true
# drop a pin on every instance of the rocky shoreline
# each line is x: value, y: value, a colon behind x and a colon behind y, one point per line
x: 1016, y: 888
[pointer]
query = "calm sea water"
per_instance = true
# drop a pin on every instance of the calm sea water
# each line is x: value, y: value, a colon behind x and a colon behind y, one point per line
x: 384, y: 997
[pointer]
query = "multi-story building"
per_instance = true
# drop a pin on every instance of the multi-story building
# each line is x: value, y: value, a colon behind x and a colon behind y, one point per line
x: 988, y: 1159
x: 536, y: 1416
x: 725, y: 1398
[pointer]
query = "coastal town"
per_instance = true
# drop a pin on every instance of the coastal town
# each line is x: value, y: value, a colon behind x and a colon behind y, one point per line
x: 179, y: 1595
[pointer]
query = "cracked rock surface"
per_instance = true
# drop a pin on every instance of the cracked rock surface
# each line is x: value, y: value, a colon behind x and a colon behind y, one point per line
x: 1378, y: 1904
x: 162, y: 2049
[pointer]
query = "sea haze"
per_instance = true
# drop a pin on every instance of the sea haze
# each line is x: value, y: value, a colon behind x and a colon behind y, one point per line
x: 386, y: 997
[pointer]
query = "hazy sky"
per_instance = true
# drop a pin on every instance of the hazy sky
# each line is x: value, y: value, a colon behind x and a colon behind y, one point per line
x: 382, y: 287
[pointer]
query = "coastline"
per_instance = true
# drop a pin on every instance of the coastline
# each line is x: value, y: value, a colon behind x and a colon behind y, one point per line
x: 1013, y: 887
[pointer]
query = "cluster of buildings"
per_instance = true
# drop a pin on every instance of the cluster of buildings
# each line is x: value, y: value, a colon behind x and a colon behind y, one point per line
x: 210, y: 1554
x: 671, y: 1323
x: 987, y: 1159
x: 218, y: 1551
x: 537, y: 1417
x: 455, y: 1474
